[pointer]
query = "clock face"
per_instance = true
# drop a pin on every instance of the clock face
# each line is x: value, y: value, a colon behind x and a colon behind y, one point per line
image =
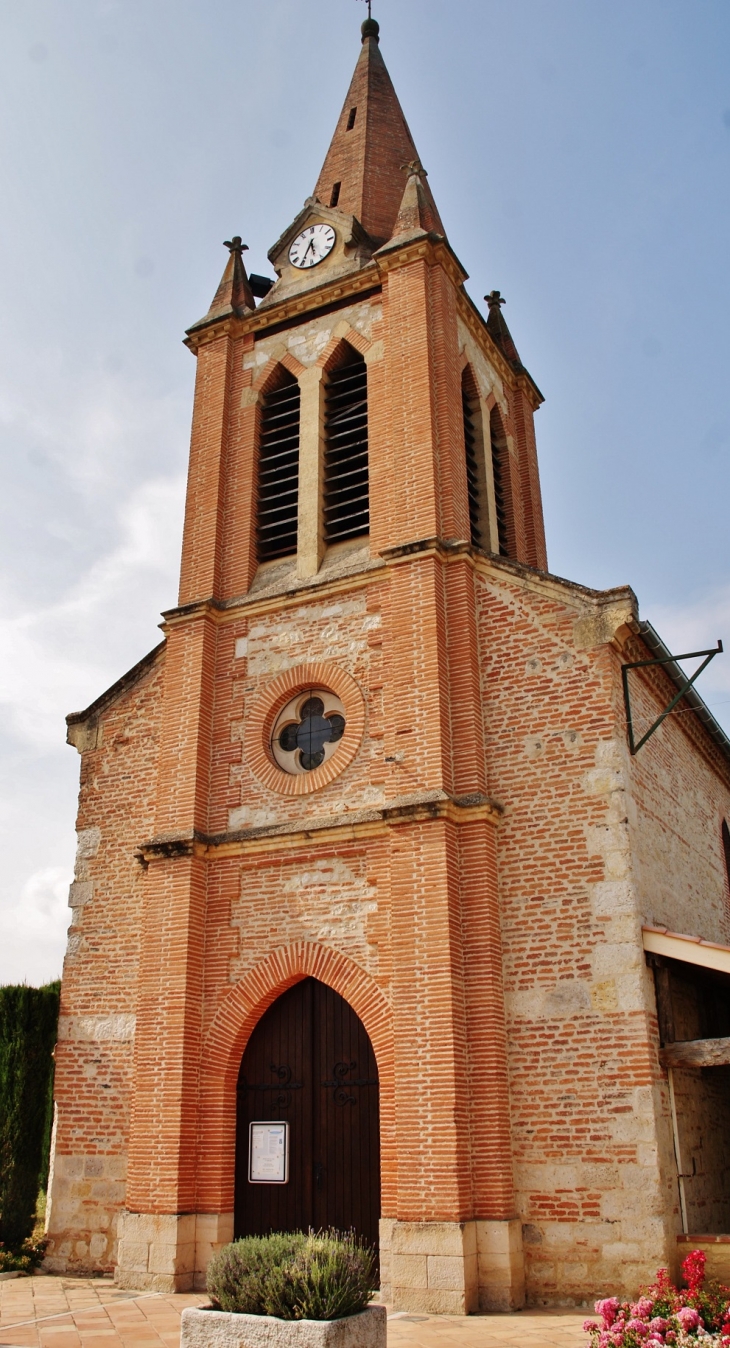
x: 312, y: 246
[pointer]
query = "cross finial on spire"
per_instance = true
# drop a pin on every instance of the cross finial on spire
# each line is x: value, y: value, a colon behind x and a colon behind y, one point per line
x: 494, y: 299
x: 414, y: 167
x: 371, y: 27
x: 234, y: 245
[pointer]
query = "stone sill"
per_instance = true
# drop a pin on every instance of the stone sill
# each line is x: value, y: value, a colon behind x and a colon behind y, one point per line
x: 704, y: 1240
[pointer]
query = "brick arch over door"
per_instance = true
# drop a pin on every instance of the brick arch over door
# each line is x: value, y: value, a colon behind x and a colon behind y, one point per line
x: 226, y: 1040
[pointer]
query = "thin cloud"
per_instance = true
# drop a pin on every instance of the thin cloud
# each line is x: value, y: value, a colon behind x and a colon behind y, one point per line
x: 33, y: 930
x: 58, y: 657
x: 697, y: 625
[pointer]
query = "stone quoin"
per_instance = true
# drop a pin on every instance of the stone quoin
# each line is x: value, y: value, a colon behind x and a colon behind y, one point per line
x: 362, y: 845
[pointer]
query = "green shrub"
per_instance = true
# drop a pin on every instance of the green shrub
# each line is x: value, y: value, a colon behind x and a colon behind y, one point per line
x: 237, y: 1275
x: 320, y: 1276
x: 24, y: 1258
x: 28, y: 1025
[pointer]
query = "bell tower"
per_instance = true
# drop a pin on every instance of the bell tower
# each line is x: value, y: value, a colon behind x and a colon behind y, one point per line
x: 318, y: 799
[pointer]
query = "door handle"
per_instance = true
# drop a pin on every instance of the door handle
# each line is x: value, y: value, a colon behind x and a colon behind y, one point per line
x: 318, y: 1175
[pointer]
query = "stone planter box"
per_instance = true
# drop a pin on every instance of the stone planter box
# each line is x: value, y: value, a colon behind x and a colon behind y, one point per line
x: 222, y: 1329
x: 717, y: 1249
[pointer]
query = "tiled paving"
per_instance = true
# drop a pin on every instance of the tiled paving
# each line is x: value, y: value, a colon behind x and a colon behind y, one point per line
x: 50, y: 1312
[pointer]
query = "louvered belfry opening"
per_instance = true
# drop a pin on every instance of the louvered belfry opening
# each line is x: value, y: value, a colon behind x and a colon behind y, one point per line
x: 346, y: 503
x: 500, y: 473
x: 278, y: 472
x: 473, y: 476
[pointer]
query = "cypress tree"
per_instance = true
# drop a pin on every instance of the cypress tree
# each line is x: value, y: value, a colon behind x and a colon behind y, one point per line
x: 28, y: 1026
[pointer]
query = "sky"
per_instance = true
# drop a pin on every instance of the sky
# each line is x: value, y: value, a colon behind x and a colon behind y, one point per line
x: 579, y: 153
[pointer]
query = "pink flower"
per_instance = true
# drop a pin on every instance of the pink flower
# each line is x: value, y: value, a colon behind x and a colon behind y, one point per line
x: 688, y: 1317
x: 670, y: 1336
x: 658, y: 1324
x: 639, y: 1327
x: 608, y: 1309
x: 643, y: 1308
x: 590, y: 1326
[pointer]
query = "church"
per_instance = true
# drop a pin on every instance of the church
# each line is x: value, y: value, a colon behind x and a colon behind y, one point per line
x: 400, y: 905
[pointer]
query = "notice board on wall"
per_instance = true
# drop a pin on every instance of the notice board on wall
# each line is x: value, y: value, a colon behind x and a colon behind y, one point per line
x: 268, y: 1153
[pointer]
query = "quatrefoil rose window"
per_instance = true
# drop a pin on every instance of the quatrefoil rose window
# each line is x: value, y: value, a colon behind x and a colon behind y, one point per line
x: 308, y: 730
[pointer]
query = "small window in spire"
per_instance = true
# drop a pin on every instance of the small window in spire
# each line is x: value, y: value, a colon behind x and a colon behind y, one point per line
x: 335, y: 194
x: 351, y: 119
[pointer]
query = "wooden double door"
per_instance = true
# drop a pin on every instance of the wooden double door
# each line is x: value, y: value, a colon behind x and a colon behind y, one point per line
x: 310, y: 1063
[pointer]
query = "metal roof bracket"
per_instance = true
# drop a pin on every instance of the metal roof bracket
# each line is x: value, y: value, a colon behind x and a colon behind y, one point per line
x: 634, y: 746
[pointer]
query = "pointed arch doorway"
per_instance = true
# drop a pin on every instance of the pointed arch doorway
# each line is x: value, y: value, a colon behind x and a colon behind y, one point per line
x: 310, y: 1063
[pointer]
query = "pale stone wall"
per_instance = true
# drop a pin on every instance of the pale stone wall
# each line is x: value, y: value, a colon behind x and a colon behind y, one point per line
x: 168, y: 1252
x: 592, y: 1147
x: 94, y: 1054
x: 308, y: 341
x: 680, y: 800
x: 452, y: 1268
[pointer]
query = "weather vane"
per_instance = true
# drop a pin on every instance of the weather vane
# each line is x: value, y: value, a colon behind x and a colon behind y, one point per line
x: 369, y: 4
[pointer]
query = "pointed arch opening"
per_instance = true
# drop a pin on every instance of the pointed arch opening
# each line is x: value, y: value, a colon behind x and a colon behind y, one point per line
x: 476, y: 477
x: 346, y: 476
x: 309, y: 1064
x: 501, y: 477
x: 278, y: 468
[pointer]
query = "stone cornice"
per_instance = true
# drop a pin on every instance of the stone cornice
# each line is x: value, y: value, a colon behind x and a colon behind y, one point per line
x: 433, y: 247
x: 254, y: 604
x: 231, y: 326
x: 356, y: 824
x: 543, y: 583
x: 312, y: 301
x: 448, y: 551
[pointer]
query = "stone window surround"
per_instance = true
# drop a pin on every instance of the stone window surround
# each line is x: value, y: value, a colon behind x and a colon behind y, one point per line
x: 310, y: 537
x: 266, y: 708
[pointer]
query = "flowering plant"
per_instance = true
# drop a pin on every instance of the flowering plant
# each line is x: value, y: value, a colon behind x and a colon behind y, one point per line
x: 697, y: 1316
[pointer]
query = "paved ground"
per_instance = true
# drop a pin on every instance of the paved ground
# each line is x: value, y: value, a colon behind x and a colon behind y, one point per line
x: 46, y: 1312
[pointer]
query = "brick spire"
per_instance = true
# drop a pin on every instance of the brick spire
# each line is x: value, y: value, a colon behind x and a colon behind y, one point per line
x: 369, y: 148
x: 234, y: 295
x: 417, y: 213
x: 498, y: 330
